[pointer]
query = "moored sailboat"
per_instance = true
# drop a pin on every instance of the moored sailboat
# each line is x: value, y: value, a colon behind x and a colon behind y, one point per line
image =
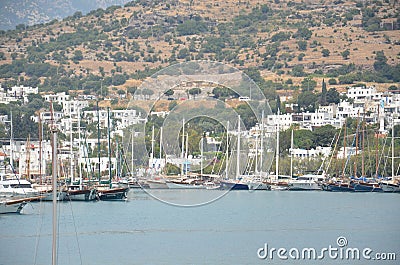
x: 107, y: 193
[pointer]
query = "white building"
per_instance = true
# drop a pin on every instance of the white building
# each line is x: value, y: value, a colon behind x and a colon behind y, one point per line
x: 72, y: 107
x: 60, y: 98
x: 312, y: 153
x: 362, y: 93
x: 22, y: 91
x: 123, y: 118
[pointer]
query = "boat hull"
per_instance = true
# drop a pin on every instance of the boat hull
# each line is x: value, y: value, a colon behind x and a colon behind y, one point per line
x: 174, y: 185
x: 82, y: 195
x: 48, y: 195
x: 303, y: 186
x: 259, y: 186
x: 389, y: 187
x: 338, y: 187
x: 11, y: 207
x: 156, y: 184
x: 234, y: 186
x: 366, y: 187
x: 116, y: 194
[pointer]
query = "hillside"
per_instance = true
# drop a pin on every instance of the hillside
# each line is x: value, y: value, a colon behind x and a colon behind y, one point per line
x: 15, y: 13
x: 286, y: 41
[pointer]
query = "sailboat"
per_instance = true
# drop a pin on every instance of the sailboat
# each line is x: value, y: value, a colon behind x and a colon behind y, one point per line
x: 256, y: 180
x: 235, y: 184
x: 393, y: 184
x: 110, y: 193
x: 339, y: 185
x: 364, y: 184
x: 79, y: 192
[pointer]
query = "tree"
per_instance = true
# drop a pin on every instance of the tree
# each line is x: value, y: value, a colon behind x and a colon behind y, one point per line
x: 301, y: 56
x: 380, y: 63
x: 322, y: 98
x: 302, y: 45
x: 78, y: 56
x: 308, y: 84
x: 332, y: 96
x: 246, y: 115
x: 332, y: 81
x: 183, y: 53
x: 323, y: 135
x: 304, y: 139
x: 325, y: 53
x: 224, y: 92
x: 147, y: 93
x: 298, y: 71
x: 194, y: 91
x: 303, y: 33
x: 345, y: 54
x: 306, y: 101
x: 169, y: 92
x: 132, y: 90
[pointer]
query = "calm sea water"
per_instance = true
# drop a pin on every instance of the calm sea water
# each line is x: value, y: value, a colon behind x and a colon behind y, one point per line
x: 229, y: 230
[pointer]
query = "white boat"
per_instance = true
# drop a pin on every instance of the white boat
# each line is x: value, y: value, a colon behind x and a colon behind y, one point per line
x: 77, y: 193
x: 210, y: 185
x: 17, y: 187
x: 258, y: 186
x: 306, y: 182
x: 186, y: 184
x: 389, y: 186
x: 48, y: 196
x: 12, y: 206
x: 157, y: 184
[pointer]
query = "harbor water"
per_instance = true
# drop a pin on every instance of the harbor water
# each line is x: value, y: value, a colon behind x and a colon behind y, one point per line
x: 239, y: 227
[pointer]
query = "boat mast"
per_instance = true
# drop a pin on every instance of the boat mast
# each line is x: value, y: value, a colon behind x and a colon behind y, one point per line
x: 291, y: 155
x: 183, y: 145
x: 79, y: 147
x: 344, y: 148
x: 262, y: 141
x: 40, y: 148
x: 356, y: 153
x: 393, y: 149
x: 54, y: 180
x: 186, y: 154
x: 12, y: 141
x: 109, y: 147
x: 71, y: 156
x: 152, y: 146
x: 161, y: 144
x: 256, y: 156
x: 201, y: 156
x: 132, y: 153
x: 98, y: 141
x: 238, y: 152
x: 363, y: 147
x: 226, y: 150
x: 376, y: 148
x: 277, y: 147
x: 28, y: 158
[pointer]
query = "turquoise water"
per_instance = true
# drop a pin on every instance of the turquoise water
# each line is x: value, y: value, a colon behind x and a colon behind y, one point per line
x: 229, y: 230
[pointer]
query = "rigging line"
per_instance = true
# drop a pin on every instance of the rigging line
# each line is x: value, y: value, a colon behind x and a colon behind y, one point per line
x: 386, y: 158
x: 337, y: 136
x: 382, y: 153
x: 369, y: 153
x: 76, y: 232
x: 352, y: 144
x: 39, y: 231
x: 124, y: 162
